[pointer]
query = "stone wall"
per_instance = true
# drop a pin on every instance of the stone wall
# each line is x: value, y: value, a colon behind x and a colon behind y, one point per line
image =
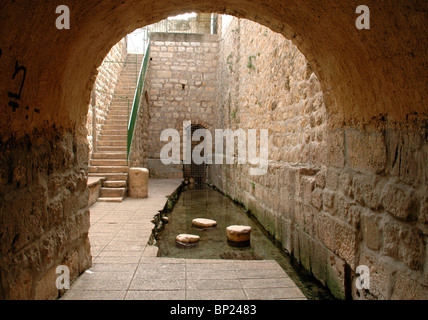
x: 183, y: 86
x: 103, y: 90
x: 334, y: 198
x: 44, y: 219
x: 368, y: 76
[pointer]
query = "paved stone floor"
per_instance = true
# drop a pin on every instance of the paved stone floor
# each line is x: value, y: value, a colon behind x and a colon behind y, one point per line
x: 125, y: 267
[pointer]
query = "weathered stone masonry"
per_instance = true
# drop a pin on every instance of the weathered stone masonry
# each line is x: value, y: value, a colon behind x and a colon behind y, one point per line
x: 44, y: 215
x: 183, y: 86
x: 335, y: 198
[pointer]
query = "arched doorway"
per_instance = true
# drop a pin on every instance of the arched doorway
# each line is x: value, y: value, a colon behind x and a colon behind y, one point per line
x: 195, y: 173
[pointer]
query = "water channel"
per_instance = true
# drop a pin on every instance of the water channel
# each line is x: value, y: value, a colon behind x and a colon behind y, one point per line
x: 206, y: 202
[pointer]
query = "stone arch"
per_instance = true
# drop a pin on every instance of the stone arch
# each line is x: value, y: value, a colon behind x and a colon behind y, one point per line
x: 355, y: 67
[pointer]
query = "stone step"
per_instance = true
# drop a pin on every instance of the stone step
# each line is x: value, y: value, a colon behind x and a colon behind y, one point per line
x: 109, y: 155
x: 132, y: 64
x: 108, y: 169
x: 129, y: 77
x: 115, y: 121
x: 120, y: 108
x: 114, y: 132
x: 108, y: 162
x: 121, y: 103
x: 110, y: 176
x: 111, y: 148
x: 128, y: 81
x: 111, y: 143
x: 112, y: 192
x: 132, y: 57
x: 125, y: 93
x: 111, y: 127
x: 110, y: 199
x: 127, y: 87
x: 126, y: 90
x: 129, y: 97
x: 114, y: 127
x: 118, y: 112
x: 132, y: 61
x: 130, y: 74
x: 118, y: 115
x: 110, y: 137
x: 115, y: 184
x: 123, y: 111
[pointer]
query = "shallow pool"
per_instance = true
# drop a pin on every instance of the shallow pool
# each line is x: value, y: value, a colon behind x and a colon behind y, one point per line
x: 211, y: 204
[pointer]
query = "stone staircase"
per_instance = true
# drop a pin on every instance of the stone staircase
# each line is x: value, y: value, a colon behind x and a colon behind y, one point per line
x: 109, y: 159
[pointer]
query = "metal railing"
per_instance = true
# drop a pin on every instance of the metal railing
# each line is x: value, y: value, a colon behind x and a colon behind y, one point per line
x: 137, y: 99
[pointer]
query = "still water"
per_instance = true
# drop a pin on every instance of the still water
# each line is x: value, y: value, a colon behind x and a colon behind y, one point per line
x: 211, y: 204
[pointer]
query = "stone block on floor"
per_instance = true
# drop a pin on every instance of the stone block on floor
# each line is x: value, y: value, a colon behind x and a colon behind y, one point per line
x: 138, y: 182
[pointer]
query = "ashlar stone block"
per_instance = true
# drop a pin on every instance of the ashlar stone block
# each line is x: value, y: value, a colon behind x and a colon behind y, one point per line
x: 138, y: 182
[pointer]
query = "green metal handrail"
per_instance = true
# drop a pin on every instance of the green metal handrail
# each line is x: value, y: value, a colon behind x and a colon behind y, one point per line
x: 137, y: 98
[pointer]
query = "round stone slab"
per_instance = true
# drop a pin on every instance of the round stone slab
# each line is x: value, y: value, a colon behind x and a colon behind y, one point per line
x: 187, y: 239
x: 238, y: 233
x: 202, y: 223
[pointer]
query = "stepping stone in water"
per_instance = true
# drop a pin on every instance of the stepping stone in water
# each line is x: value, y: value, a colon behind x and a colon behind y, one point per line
x: 202, y: 223
x: 187, y: 239
x: 238, y: 235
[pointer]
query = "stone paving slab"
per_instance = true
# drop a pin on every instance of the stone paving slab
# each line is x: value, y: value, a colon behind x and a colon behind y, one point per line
x: 126, y: 267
